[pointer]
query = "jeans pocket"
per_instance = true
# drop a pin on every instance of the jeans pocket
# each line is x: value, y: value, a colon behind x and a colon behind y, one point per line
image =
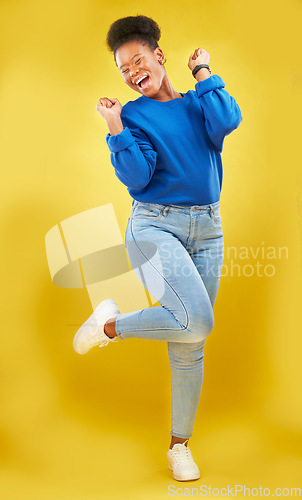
x: 143, y: 212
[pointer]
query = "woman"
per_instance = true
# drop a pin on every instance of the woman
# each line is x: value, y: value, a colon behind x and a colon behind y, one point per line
x: 166, y: 148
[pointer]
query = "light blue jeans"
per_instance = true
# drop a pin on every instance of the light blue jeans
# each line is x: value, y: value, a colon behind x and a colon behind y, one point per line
x: 177, y: 254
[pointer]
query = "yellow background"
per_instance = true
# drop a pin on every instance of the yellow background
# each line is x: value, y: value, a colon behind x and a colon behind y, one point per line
x: 97, y: 426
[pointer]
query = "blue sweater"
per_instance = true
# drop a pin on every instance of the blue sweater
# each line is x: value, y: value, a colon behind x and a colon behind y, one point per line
x: 169, y: 152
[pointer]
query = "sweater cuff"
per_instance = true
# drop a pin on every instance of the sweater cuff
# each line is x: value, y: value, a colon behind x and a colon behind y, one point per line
x: 211, y: 83
x: 120, y: 141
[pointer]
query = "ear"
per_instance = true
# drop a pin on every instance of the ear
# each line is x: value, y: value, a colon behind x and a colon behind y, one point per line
x: 160, y: 55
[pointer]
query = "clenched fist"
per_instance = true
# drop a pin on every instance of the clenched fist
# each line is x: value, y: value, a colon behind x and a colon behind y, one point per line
x: 200, y: 56
x: 109, y: 108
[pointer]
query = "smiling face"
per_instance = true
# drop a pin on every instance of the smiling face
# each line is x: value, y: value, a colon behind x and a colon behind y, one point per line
x: 140, y: 67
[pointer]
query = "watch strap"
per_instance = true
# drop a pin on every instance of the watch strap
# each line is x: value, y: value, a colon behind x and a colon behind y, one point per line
x: 199, y: 66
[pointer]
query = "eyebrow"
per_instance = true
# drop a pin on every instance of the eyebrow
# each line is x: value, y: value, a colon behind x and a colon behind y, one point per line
x: 131, y: 58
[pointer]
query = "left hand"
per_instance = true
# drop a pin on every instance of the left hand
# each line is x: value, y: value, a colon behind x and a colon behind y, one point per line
x: 200, y: 56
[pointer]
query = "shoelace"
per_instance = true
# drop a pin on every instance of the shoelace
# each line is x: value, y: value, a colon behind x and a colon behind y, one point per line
x: 106, y: 342
x: 182, y: 454
x: 100, y: 340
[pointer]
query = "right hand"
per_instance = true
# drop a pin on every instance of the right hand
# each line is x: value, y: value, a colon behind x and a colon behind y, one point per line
x: 200, y: 56
x: 109, y: 108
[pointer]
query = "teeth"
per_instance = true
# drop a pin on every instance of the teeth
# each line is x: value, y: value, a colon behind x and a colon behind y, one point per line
x: 140, y: 79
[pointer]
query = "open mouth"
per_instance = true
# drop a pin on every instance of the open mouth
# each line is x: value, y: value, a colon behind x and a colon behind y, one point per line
x: 143, y: 84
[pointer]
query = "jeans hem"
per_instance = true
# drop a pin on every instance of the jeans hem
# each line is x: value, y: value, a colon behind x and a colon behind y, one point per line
x: 117, y: 331
x: 182, y: 436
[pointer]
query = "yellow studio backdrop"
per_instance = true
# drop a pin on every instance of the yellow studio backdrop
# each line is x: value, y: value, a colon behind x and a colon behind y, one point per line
x: 97, y: 426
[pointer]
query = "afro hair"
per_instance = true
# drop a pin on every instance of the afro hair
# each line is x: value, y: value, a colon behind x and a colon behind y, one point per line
x: 130, y: 28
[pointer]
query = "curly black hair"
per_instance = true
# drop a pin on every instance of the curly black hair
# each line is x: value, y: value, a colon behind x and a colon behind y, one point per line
x: 130, y: 28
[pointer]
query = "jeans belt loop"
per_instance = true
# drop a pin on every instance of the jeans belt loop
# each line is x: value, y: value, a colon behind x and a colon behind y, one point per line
x: 165, y: 210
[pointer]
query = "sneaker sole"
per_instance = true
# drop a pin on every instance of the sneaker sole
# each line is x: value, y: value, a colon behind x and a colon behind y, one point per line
x: 177, y: 477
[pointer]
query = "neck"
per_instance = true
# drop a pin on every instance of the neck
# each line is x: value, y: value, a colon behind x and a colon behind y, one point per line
x: 166, y: 91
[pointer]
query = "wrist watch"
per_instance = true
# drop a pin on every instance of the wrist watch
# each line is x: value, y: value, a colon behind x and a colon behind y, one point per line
x: 198, y: 67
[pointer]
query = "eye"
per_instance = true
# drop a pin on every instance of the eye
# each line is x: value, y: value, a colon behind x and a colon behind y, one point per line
x: 136, y: 62
x: 125, y: 70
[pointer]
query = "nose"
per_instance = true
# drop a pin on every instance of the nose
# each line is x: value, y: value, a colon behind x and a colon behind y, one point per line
x: 133, y: 70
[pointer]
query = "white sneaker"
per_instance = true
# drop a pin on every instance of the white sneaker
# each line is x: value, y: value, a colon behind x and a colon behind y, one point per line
x: 182, y: 464
x: 91, y: 333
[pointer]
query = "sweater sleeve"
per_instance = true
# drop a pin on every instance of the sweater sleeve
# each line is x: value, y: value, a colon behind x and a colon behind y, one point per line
x: 221, y: 112
x: 132, y: 156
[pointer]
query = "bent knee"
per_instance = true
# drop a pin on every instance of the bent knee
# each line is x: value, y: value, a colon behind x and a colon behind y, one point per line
x: 200, y: 325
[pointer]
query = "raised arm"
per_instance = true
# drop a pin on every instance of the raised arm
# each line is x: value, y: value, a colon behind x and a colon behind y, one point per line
x: 221, y: 112
x: 133, y: 157
x: 132, y: 154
